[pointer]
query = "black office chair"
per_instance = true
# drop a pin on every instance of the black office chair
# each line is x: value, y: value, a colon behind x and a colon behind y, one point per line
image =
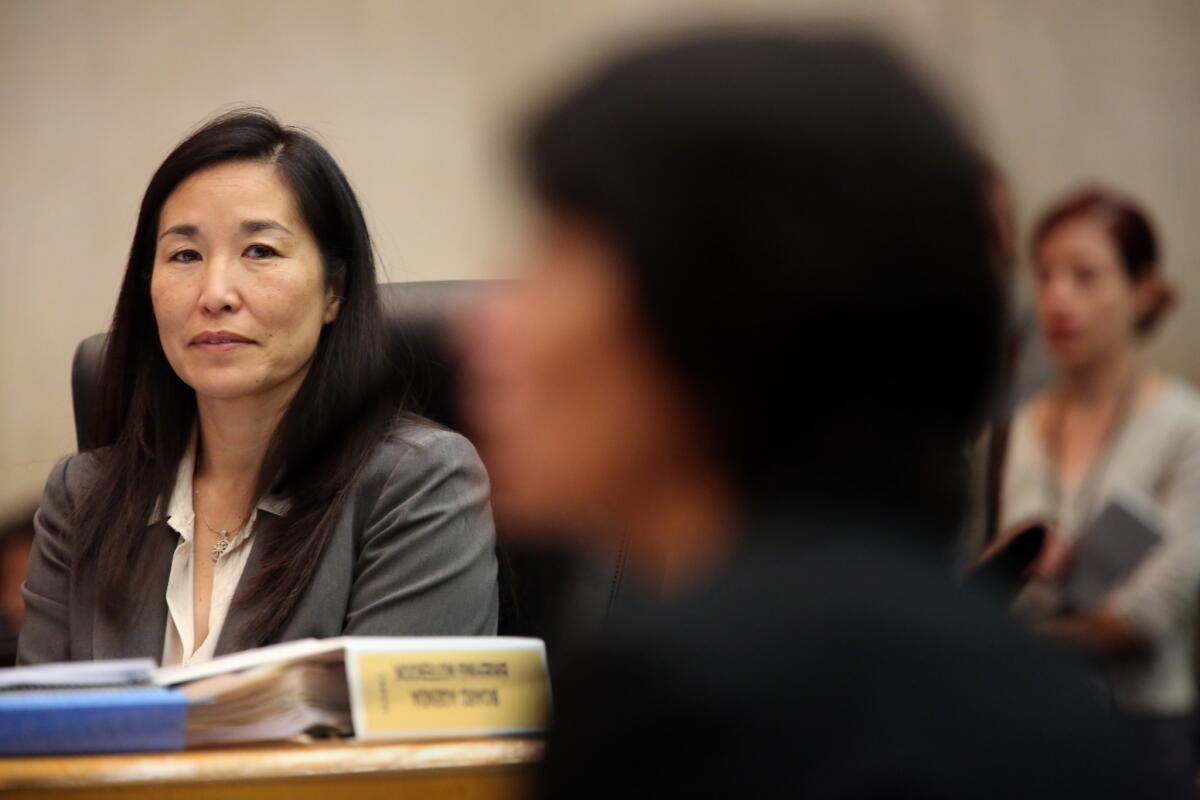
x: 544, y: 592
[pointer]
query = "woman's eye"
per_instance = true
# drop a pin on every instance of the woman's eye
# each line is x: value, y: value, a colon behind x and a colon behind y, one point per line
x: 260, y: 251
x: 185, y: 256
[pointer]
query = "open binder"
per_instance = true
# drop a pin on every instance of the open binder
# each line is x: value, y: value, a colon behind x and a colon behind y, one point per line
x: 373, y: 688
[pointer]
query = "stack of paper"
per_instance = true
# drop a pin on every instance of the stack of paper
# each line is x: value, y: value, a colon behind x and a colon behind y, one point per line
x: 269, y: 703
x: 371, y: 687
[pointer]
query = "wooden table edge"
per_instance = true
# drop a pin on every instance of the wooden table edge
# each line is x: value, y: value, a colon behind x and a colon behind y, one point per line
x: 279, y: 760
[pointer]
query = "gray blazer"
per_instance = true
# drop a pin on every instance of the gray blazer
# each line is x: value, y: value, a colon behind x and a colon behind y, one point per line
x: 412, y: 555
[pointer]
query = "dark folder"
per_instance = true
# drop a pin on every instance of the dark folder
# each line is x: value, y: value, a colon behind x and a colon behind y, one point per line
x: 1007, y: 571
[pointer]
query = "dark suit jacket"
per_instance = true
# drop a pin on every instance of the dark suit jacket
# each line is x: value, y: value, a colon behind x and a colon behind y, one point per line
x: 413, y: 554
x: 826, y: 661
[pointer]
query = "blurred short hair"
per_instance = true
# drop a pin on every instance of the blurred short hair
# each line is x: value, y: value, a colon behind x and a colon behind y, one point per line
x: 804, y: 230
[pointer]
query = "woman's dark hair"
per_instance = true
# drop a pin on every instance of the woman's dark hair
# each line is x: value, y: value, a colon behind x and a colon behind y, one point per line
x: 1131, y: 232
x: 804, y: 233
x: 145, y: 413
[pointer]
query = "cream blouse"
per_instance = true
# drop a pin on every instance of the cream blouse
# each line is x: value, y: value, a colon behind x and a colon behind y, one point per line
x: 179, y: 643
x: 1152, y: 464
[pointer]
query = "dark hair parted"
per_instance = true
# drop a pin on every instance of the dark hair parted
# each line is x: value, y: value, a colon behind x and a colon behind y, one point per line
x: 804, y: 232
x: 145, y: 413
x: 1131, y: 232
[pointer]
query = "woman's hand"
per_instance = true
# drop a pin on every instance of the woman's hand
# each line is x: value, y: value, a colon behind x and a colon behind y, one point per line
x: 1053, y: 559
x: 1102, y: 631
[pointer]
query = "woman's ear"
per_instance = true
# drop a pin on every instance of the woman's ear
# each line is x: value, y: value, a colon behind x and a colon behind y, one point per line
x: 1147, y: 292
x: 335, y: 293
x: 333, y: 306
x: 1153, y: 296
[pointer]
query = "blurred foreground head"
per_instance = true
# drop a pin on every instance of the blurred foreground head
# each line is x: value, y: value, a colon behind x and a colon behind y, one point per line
x: 759, y: 272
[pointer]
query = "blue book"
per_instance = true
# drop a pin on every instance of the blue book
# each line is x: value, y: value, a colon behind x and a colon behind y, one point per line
x: 124, y: 720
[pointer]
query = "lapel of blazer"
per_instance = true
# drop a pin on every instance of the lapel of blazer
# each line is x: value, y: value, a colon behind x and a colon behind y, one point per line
x: 235, y: 634
x: 141, y: 635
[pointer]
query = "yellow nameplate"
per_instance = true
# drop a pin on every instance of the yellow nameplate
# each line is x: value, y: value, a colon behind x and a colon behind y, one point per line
x: 460, y: 692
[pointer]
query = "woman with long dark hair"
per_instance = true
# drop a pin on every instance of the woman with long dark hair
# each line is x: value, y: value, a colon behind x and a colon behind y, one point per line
x: 259, y: 478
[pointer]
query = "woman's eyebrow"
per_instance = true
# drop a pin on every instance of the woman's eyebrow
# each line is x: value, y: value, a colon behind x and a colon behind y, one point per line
x: 258, y: 225
x: 179, y: 230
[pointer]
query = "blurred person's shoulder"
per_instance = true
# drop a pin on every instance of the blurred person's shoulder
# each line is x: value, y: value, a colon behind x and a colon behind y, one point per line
x: 835, y: 662
x: 811, y: 582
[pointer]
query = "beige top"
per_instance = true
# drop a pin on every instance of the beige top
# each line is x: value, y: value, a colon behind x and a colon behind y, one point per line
x: 179, y: 645
x: 1153, y: 465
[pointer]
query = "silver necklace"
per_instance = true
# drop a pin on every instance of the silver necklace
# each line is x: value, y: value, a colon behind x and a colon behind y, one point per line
x: 223, y: 542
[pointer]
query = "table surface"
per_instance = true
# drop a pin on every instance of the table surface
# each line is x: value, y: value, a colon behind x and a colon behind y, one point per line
x: 459, y: 759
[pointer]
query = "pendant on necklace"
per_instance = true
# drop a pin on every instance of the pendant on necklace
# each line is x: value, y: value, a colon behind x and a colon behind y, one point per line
x: 221, y: 546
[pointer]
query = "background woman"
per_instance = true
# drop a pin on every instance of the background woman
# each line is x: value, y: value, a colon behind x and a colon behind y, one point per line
x: 1111, y: 429
x: 260, y: 480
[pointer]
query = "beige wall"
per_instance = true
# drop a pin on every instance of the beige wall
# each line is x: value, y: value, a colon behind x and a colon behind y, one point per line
x: 413, y: 97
